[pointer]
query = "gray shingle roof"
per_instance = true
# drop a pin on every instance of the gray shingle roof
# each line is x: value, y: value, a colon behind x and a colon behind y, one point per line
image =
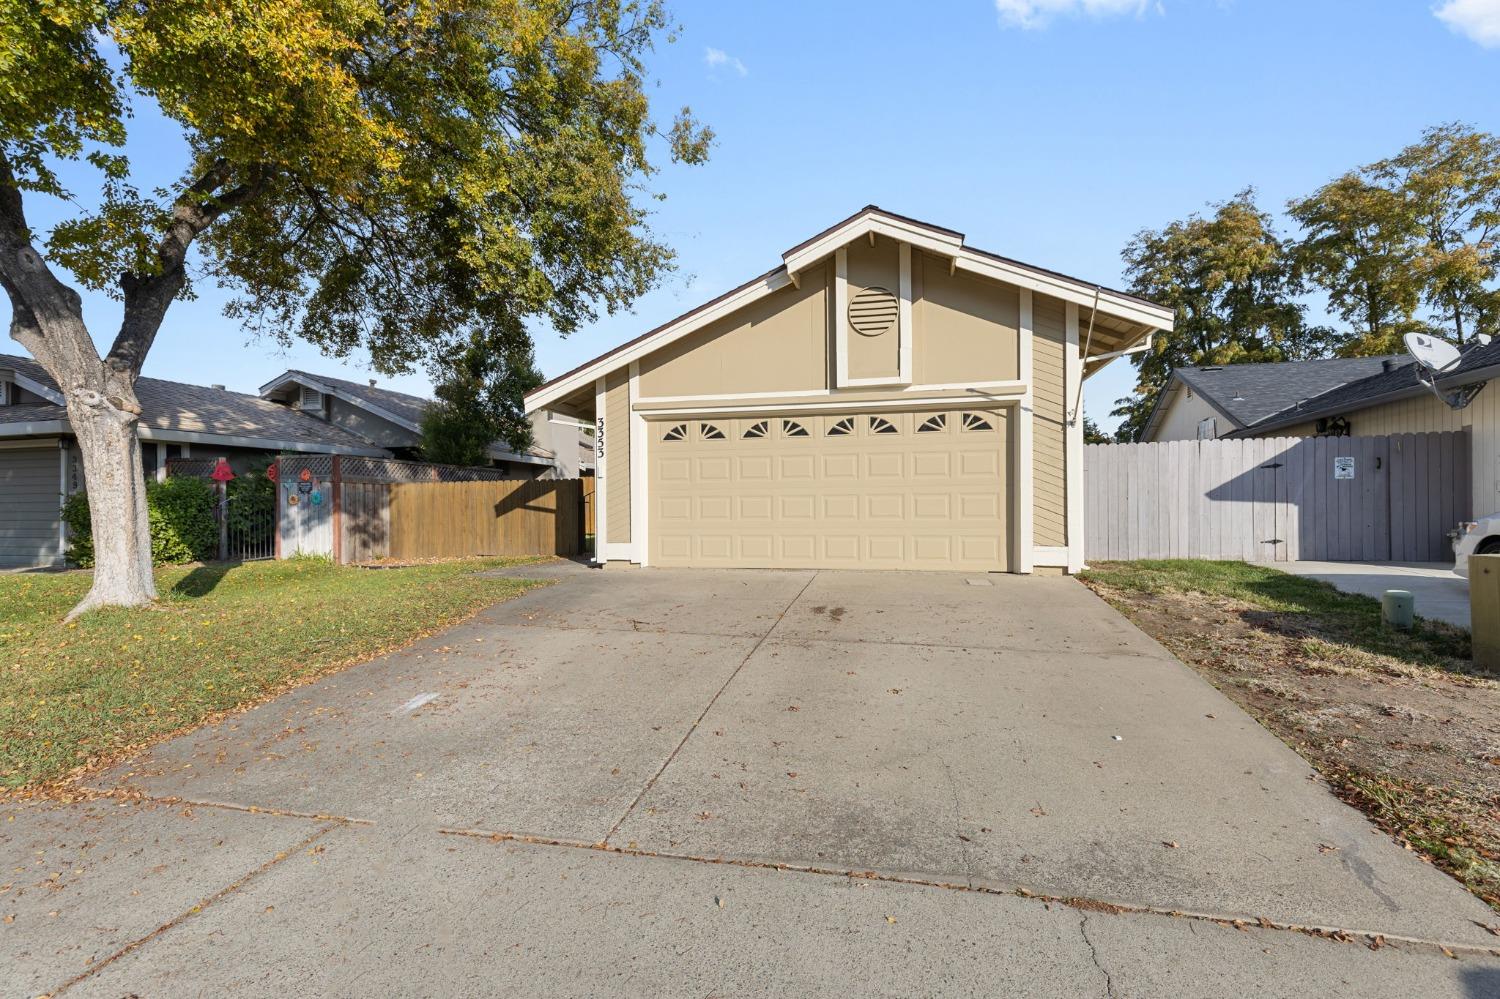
x: 1249, y: 393
x: 1383, y: 386
x: 400, y: 404
x: 167, y: 405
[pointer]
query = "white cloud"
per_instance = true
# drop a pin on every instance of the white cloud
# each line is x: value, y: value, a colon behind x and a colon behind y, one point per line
x: 1478, y: 19
x: 1034, y: 14
x: 715, y: 58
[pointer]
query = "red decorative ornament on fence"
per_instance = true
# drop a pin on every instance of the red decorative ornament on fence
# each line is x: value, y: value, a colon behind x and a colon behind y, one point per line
x: 221, y: 472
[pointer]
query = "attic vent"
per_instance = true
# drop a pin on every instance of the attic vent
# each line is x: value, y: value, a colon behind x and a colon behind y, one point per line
x: 309, y: 398
x: 873, y: 311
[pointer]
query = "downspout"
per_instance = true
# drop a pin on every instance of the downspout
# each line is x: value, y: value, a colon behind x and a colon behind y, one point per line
x: 1083, y: 362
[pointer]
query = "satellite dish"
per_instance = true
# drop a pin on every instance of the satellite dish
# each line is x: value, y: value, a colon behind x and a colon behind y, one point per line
x: 1436, y: 357
x: 1431, y: 353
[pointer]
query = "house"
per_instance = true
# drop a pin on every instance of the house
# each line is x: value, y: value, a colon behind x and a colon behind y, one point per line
x: 1387, y: 398
x: 1212, y: 401
x: 296, y: 413
x: 393, y: 420
x: 886, y: 396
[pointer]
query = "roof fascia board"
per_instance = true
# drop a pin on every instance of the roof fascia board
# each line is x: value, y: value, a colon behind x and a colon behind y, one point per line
x: 338, y: 393
x: 1286, y: 418
x: 34, y: 427
x: 32, y: 385
x: 1077, y: 292
x: 675, y: 331
x: 943, y: 243
x: 264, y: 443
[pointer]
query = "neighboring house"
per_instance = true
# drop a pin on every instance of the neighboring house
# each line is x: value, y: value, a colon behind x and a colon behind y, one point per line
x: 1386, y: 400
x: 296, y: 413
x: 885, y: 397
x: 1212, y: 401
x: 393, y: 420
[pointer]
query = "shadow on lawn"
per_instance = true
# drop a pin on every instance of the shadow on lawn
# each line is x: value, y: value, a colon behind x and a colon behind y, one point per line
x: 1316, y: 610
x: 200, y: 582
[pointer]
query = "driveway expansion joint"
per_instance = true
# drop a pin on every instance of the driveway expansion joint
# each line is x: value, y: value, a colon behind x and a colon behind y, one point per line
x: 1372, y: 939
x: 126, y: 794
x: 646, y: 789
x: 183, y: 917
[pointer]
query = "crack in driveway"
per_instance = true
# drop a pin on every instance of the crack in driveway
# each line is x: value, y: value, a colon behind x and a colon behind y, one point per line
x: 646, y: 789
x: 1083, y: 931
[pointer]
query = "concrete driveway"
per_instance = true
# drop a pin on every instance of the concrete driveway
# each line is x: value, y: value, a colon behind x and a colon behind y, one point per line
x: 727, y: 783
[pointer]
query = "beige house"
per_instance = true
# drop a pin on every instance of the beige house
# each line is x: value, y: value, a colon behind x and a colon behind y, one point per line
x: 885, y: 397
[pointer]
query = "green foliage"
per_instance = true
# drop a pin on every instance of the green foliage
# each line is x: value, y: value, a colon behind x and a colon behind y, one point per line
x: 481, y: 400
x: 1357, y: 246
x: 1092, y: 434
x: 1229, y: 277
x: 181, y: 515
x: 252, y: 502
x: 362, y: 175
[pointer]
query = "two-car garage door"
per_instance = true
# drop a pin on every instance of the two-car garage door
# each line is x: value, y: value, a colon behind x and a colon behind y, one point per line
x: 920, y: 489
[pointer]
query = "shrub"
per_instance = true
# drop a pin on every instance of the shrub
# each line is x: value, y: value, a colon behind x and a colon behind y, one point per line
x: 181, y: 515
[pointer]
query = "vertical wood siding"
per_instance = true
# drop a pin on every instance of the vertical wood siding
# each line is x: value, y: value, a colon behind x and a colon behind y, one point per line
x: 1275, y: 499
x: 1049, y: 479
x: 617, y: 455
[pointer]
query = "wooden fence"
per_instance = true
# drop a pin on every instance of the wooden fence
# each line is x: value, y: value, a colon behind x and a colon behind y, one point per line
x: 590, y: 508
x: 1352, y: 499
x: 418, y: 520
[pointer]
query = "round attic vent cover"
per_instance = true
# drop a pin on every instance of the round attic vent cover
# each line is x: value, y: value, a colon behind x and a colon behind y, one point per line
x: 873, y: 311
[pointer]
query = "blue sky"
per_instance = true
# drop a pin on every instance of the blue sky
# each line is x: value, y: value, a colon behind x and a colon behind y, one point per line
x: 1045, y: 130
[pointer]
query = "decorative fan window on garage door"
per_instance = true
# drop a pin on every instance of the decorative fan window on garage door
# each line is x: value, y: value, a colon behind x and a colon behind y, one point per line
x: 710, y: 432
x: 976, y: 421
x: 756, y: 430
x: 880, y: 425
x: 677, y: 433
x: 933, y: 424
x: 792, y: 428
x: 842, y: 428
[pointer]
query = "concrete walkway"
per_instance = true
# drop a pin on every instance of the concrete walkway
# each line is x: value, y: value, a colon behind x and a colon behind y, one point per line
x: 1440, y: 595
x: 736, y: 783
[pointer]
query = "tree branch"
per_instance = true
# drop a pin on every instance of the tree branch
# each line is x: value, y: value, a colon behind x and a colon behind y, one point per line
x: 147, y: 296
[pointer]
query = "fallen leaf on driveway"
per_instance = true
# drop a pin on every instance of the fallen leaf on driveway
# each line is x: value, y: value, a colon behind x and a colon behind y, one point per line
x: 793, y: 707
x: 1327, y: 848
x: 705, y: 816
x: 890, y: 919
x: 1170, y: 844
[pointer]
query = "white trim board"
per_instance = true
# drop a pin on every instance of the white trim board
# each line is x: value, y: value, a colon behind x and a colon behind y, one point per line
x: 943, y: 402
x: 1073, y: 439
x: 602, y: 433
x: 1008, y: 384
x: 1024, y: 490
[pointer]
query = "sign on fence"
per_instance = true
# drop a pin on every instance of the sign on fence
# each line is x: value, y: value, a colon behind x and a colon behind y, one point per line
x: 1273, y: 499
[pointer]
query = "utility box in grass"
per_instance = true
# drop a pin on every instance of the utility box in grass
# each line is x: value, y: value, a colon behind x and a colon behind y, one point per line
x: 1484, y: 610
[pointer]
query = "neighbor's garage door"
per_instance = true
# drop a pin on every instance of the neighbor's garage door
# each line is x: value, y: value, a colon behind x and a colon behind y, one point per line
x: 876, y: 490
x: 29, y: 483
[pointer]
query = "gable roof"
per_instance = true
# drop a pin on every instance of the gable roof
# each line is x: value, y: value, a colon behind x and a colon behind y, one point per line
x: 1248, y: 393
x: 179, y: 411
x: 1122, y: 307
x: 1478, y: 363
x: 401, y: 408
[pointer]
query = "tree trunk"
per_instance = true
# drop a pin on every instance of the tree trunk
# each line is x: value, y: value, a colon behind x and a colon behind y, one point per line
x: 116, y: 483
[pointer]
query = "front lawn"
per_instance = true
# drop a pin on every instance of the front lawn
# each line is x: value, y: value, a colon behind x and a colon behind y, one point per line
x: 223, y: 637
x: 1401, y: 726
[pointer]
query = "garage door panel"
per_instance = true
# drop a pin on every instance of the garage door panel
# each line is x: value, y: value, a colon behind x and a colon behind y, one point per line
x: 875, y: 494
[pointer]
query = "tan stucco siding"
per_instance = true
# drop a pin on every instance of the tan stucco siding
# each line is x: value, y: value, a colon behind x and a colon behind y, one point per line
x: 1048, y: 472
x: 779, y: 344
x: 617, y: 456
x: 1185, y: 411
x: 966, y: 327
x: 877, y: 266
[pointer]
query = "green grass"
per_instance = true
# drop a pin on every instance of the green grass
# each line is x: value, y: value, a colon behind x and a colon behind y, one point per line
x: 1347, y: 618
x: 222, y: 637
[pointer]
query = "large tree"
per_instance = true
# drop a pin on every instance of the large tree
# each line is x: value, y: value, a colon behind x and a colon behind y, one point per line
x: 1450, y: 184
x: 1229, y: 277
x: 362, y: 174
x: 1357, y: 244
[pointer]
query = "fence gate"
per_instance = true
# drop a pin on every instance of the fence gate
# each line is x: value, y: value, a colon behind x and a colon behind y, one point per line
x: 1337, y: 499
